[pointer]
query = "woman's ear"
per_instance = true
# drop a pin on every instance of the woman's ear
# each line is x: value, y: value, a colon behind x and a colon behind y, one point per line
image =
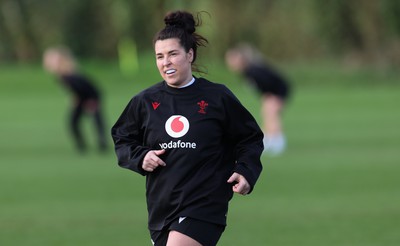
x: 191, y: 55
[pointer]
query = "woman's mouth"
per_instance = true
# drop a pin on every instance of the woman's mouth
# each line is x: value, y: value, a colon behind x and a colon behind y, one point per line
x: 170, y: 71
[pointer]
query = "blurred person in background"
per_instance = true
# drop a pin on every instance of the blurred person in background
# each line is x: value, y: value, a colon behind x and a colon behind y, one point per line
x: 85, y: 95
x: 192, y: 139
x: 274, y: 89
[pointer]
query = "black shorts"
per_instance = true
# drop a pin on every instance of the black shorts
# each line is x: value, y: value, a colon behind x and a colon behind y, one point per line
x: 205, y: 233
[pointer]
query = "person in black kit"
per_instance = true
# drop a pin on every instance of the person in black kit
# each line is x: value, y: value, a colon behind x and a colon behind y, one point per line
x: 86, y: 97
x: 192, y: 139
x: 273, y: 87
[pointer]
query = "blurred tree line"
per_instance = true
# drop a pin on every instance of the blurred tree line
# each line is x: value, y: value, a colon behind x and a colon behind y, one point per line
x: 362, y: 30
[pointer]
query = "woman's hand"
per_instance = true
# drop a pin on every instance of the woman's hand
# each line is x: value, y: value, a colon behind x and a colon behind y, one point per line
x: 242, y: 186
x: 152, y: 160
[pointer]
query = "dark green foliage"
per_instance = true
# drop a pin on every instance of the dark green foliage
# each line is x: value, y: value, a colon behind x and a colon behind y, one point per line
x: 361, y: 31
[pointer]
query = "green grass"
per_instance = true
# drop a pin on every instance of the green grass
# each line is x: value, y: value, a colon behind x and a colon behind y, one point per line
x: 337, y: 184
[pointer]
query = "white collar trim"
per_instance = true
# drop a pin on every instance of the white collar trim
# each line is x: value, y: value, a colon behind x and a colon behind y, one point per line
x: 188, y: 84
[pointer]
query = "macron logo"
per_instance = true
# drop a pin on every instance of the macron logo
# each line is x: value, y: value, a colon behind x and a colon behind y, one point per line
x: 155, y: 105
x: 181, y: 219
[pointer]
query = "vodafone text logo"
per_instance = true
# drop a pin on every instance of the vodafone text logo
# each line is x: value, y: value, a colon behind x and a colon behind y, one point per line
x: 177, y: 126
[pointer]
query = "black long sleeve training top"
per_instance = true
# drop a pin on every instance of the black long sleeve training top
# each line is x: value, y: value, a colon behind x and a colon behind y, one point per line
x: 267, y: 80
x: 207, y: 135
x: 80, y: 86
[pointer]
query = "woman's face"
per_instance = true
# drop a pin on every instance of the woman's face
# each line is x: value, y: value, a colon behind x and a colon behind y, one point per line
x: 57, y: 63
x: 235, y: 61
x: 52, y: 61
x: 173, y: 62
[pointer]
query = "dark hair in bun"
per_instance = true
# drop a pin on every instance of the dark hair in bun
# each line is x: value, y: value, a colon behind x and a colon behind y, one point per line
x: 182, y: 20
x: 182, y: 25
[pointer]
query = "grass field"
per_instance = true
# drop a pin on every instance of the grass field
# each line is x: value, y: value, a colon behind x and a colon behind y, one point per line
x: 338, y: 183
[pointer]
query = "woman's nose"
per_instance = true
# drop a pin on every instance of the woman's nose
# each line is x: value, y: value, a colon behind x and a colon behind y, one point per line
x: 166, y: 61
